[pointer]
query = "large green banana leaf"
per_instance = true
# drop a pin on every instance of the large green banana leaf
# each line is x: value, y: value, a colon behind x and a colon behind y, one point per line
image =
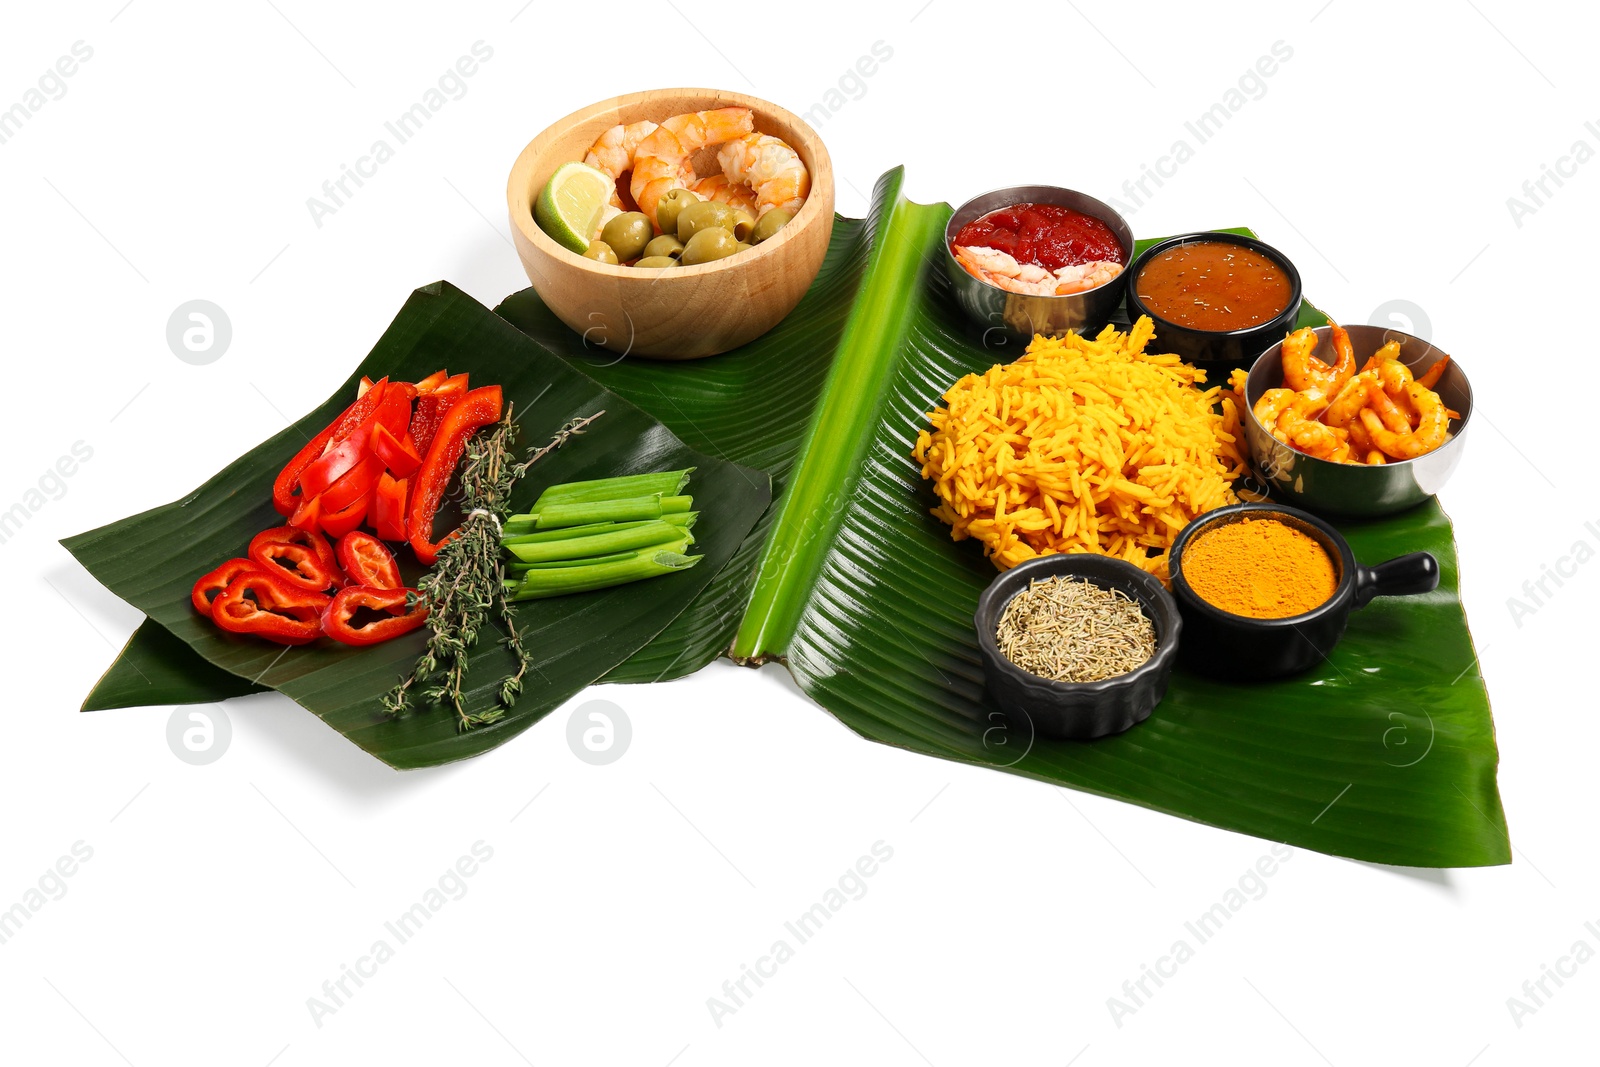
x: 1384, y: 753
x: 152, y: 559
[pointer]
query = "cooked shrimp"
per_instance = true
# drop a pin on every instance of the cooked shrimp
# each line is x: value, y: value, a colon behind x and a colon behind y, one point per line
x: 1302, y: 370
x: 1430, y: 433
x: 1310, y: 436
x: 1085, y: 276
x: 662, y: 162
x: 718, y: 187
x: 1390, y: 350
x: 770, y: 167
x: 1349, y: 401
x: 1271, y: 407
x: 1431, y: 376
x: 614, y: 151
x: 1002, y: 270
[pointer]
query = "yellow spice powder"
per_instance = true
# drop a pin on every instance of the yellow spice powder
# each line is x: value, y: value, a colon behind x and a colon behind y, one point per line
x: 1260, y: 568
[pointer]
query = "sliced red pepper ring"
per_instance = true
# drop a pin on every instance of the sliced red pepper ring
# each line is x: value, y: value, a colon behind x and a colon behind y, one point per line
x: 400, y: 457
x: 212, y: 583
x: 478, y: 408
x: 310, y: 538
x: 258, y: 602
x: 308, y: 514
x: 296, y: 564
x: 388, y: 509
x: 362, y: 615
x: 341, y: 522
x: 368, y: 561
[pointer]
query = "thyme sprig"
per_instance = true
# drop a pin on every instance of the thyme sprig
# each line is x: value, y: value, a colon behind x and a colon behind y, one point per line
x: 466, y: 586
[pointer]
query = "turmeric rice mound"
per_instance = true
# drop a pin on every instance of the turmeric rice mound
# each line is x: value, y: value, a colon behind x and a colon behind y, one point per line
x: 1082, y: 446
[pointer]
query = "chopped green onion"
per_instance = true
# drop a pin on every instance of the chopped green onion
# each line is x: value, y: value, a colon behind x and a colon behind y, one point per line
x: 538, y: 584
x: 664, y: 483
x: 621, y: 538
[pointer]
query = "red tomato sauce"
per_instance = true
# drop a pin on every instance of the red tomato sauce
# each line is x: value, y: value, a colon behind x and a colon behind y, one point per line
x: 1046, y: 235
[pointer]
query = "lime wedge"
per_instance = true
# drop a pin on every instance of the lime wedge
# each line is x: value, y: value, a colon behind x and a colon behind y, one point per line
x: 570, y: 206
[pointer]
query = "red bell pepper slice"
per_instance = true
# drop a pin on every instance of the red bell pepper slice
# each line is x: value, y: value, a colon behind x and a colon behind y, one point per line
x: 355, y: 484
x: 399, y: 456
x: 368, y: 561
x: 478, y: 408
x: 393, y: 411
x: 212, y: 583
x: 432, y: 404
x: 339, y: 523
x: 283, y: 487
x: 389, y: 507
x: 308, y: 514
x: 340, y: 618
x: 294, y: 563
x: 310, y: 538
x: 258, y: 602
x: 432, y: 382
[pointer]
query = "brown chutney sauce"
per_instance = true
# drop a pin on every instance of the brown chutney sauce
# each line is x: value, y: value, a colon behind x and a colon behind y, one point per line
x: 1213, y: 285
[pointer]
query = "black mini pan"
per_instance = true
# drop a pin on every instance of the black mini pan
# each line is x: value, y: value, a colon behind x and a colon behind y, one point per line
x: 1226, y: 645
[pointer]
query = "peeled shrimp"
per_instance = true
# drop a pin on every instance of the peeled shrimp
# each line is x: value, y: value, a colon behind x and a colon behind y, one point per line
x: 663, y: 160
x: 1271, y: 407
x: 1002, y: 270
x: 770, y: 167
x: 614, y: 151
x: 1433, y: 424
x: 719, y: 188
x: 1302, y: 370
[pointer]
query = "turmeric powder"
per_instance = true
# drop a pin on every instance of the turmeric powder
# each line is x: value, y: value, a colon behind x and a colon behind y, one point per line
x: 1260, y: 568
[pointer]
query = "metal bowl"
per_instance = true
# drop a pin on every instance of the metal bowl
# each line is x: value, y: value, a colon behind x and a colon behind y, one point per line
x: 1356, y: 489
x: 1019, y: 314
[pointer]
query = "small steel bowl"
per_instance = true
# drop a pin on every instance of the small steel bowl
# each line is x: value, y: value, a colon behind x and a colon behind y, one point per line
x: 1079, y: 709
x: 1225, y: 645
x: 1019, y: 314
x: 1356, y: 489
x: 1215, y: 349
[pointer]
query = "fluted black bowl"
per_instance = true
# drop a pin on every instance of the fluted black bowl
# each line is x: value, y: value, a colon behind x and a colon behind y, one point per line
x: 1079, y: 709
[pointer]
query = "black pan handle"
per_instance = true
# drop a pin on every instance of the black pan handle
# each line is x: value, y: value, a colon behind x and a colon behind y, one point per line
x: 1417, y: 572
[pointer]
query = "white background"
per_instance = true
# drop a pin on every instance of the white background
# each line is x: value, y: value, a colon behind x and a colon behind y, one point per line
x: 218, y: 899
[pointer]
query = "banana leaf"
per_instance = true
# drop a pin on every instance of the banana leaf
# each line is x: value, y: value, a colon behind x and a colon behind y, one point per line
x: 1385, y: 752
x: 152, y: 559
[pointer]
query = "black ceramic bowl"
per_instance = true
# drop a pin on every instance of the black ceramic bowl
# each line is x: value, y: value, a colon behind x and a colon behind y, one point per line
x: 1079, y: 709
x: 1226, y: 645
x: 1215, y: 349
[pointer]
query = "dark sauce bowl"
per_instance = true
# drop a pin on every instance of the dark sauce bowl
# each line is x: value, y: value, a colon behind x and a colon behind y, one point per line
x: 1238, y: 647
x: 1079, y: 710
x: 1216, y: 350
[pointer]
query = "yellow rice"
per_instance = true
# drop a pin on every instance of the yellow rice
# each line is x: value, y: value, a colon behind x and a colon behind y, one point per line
x: 1082, y: 446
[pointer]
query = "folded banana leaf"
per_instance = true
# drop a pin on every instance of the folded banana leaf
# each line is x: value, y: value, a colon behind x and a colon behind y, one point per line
x: 152, y: 559
x: 1385, y: 752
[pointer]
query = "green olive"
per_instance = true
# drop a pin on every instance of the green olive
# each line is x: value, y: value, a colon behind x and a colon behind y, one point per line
x: 743, y: 246
x: 703, y: 216
x: 628, y: 233
x: 668, y: 207
x: 665, y: 245
x: 599, y: 250
x: 743, y: 223
x: 708, y: 244
x: 770, y: 223
x: 657, y: 261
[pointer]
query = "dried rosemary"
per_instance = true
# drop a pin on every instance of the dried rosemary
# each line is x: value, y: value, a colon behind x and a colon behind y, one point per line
x: 465, y: 584
x: 1069, y: 630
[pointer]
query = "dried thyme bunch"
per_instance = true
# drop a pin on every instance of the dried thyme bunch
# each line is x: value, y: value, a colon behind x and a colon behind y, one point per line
x: 466, y: 583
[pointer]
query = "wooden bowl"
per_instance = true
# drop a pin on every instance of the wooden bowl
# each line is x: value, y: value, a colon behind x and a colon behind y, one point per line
x: 677, y: 312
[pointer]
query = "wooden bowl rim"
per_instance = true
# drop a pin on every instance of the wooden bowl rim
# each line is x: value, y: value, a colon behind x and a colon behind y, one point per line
x: 519, y: 197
